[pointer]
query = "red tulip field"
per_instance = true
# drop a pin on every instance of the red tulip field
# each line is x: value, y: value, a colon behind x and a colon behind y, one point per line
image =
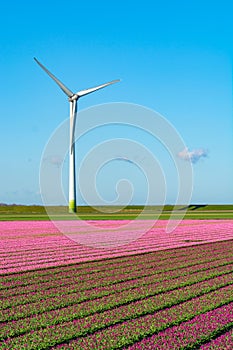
x: 161, y: 291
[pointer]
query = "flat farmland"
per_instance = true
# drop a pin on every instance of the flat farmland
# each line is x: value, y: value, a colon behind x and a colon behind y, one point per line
x: 160, y: 291
x: 36, y: 212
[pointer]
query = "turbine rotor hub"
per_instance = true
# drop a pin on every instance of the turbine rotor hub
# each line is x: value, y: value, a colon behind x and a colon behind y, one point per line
x: 74, y: 97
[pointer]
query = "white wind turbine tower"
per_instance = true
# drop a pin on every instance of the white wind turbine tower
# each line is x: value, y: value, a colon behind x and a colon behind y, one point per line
x: 73, y: 98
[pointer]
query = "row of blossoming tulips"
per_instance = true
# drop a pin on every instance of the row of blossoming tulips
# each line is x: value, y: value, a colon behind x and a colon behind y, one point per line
x: 162, y: 259
x: 174, y: 299
x: 109, y: 285
x: 32, y: 245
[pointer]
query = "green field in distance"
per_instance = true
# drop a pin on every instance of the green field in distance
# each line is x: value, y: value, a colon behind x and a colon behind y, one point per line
x: 192, y: 211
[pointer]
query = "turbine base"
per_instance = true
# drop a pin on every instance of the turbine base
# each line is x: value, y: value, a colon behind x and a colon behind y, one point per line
x: 72, y: 206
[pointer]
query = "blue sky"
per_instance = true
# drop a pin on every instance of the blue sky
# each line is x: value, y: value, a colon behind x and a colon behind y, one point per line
x: 174, y: 57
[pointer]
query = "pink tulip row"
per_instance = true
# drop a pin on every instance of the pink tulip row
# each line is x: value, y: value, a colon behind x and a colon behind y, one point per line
x: 108, y: 299
x: 102, y: 269
x: 220, y: 286
x: 103, y: 283
x: 190, y: 332
x: 114, y: 274
x: 100, y: 276
x: 172, y: 307
x: 187, y: 333
x: 160, y: 257
x: 121, y: 299
x: 223, y: 342
x: 32, y: 245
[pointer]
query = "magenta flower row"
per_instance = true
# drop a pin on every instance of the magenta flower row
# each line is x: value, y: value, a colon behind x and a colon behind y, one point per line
x: 109, y: 298
x: 116, y: 298
x: 29, y: 245
x: 169, y: 259
x: 223, y: 342
x: 56, y: 329
x: 120, y: 273
x: 190, y: 332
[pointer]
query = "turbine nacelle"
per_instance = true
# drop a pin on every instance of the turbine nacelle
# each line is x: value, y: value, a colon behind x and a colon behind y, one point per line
x: 73, y: 98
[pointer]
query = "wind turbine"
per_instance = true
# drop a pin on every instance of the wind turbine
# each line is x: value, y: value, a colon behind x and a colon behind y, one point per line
x: 73, y: 98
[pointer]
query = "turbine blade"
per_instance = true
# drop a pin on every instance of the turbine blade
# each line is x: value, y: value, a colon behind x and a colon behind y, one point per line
x: 68, y: 92
x: 90, y: 90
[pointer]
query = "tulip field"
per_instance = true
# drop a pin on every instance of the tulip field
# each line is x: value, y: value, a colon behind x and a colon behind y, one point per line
x: 159, y: 291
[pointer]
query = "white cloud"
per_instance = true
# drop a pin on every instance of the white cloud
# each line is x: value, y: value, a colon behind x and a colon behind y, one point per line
x: 194, y: 156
